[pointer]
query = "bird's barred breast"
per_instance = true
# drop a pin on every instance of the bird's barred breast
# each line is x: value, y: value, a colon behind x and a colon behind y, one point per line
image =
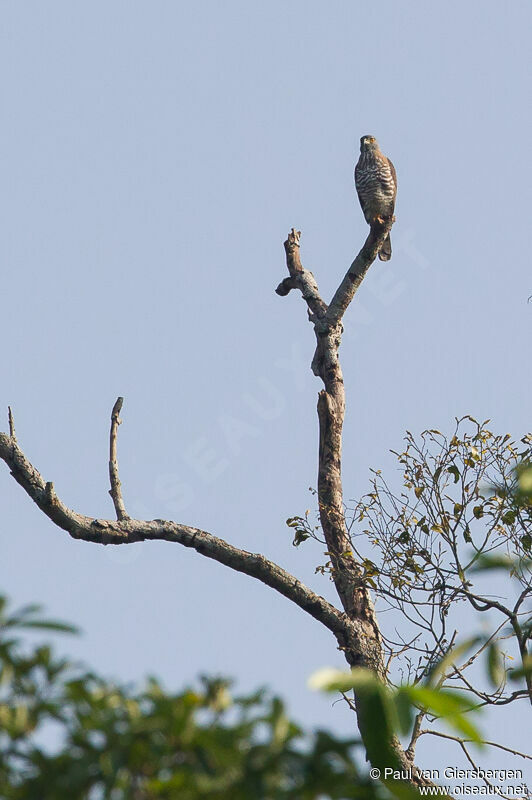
x: 375, y: 178
x: 375, y: 183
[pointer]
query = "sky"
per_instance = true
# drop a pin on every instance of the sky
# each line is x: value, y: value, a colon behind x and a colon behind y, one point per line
x: 154, y: 157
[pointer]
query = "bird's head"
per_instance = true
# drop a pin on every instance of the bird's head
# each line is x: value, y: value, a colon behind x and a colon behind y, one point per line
x: 368, y: 143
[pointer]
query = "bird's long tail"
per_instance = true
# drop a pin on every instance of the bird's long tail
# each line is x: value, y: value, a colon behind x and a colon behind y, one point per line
x: 385, y: 253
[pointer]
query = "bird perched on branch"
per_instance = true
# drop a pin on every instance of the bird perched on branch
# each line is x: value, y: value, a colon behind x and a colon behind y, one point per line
x: 376, y: 184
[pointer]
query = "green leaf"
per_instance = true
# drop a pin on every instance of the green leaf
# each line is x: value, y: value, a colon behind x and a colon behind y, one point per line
x: 496, y: 671
x: 450, y: 658
x: 525, y: 480
x: 453, y: 470
x: 486, y: 562
x: 370, y: 569
x: 475, y: 455
x: 300, y: 536
x: 437, y: 528
x: 50, y: 625
x: 448, y: 705
x: 375, y: 706
x: 404, y: 710
x: 329, y: 679
x: 523, y: 671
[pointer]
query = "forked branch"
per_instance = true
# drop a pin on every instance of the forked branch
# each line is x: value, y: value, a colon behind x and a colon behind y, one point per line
x: 127, y: 530
x: 355, y: 629
x: 327, y: 322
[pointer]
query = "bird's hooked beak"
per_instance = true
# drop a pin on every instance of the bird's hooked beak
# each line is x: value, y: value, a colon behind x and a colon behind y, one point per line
x: 367, y: 141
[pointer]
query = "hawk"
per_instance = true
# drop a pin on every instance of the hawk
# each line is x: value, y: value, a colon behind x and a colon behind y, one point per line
x: 376, y: 184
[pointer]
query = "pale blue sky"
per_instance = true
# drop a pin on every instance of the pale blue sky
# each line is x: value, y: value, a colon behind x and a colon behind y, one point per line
x: 154, y: 157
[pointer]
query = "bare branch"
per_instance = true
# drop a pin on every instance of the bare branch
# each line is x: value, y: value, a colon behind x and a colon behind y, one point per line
x: 300, y: 278
x: 346, y: 572
x: 356, y: 630
x: 11, y: 424
x: 358, y: 270
x: 470, y: 741
x: 116, y: 487
x: 484, y: 603
x: 127, y: 530
x: 517, y: 695
x: 524, y: 594
x: 416, y: 733
x: 462, y: 743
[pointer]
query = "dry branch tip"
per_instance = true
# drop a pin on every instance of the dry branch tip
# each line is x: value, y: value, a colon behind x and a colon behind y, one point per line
x: 116, y: 487
x: 11, y: 421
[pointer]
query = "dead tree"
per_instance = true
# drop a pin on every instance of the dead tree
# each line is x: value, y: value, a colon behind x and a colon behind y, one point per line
x: 354, y: 624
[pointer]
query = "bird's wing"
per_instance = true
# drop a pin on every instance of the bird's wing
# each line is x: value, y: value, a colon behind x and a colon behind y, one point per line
x: 394, y: 174
x: 357, y: 172
x: 365, y: 206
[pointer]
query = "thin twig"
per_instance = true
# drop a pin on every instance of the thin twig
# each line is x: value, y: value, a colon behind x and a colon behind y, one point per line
x: 11, y: 424
x: 300, y: 278
x: 116, y: 487
x: 348, y: 633
x: 416, y: 733
x: 470, y: 741
x: 357, y: 271
x: 475, y: 767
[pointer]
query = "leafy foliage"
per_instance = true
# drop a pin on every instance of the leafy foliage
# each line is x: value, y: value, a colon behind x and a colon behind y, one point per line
x: 451, y: 543
x: 395, y: 708
x: 118, y: 742
x: 425, y: 549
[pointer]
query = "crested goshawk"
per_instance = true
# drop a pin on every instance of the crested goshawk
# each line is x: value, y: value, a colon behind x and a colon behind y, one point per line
x: 376, y: 184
